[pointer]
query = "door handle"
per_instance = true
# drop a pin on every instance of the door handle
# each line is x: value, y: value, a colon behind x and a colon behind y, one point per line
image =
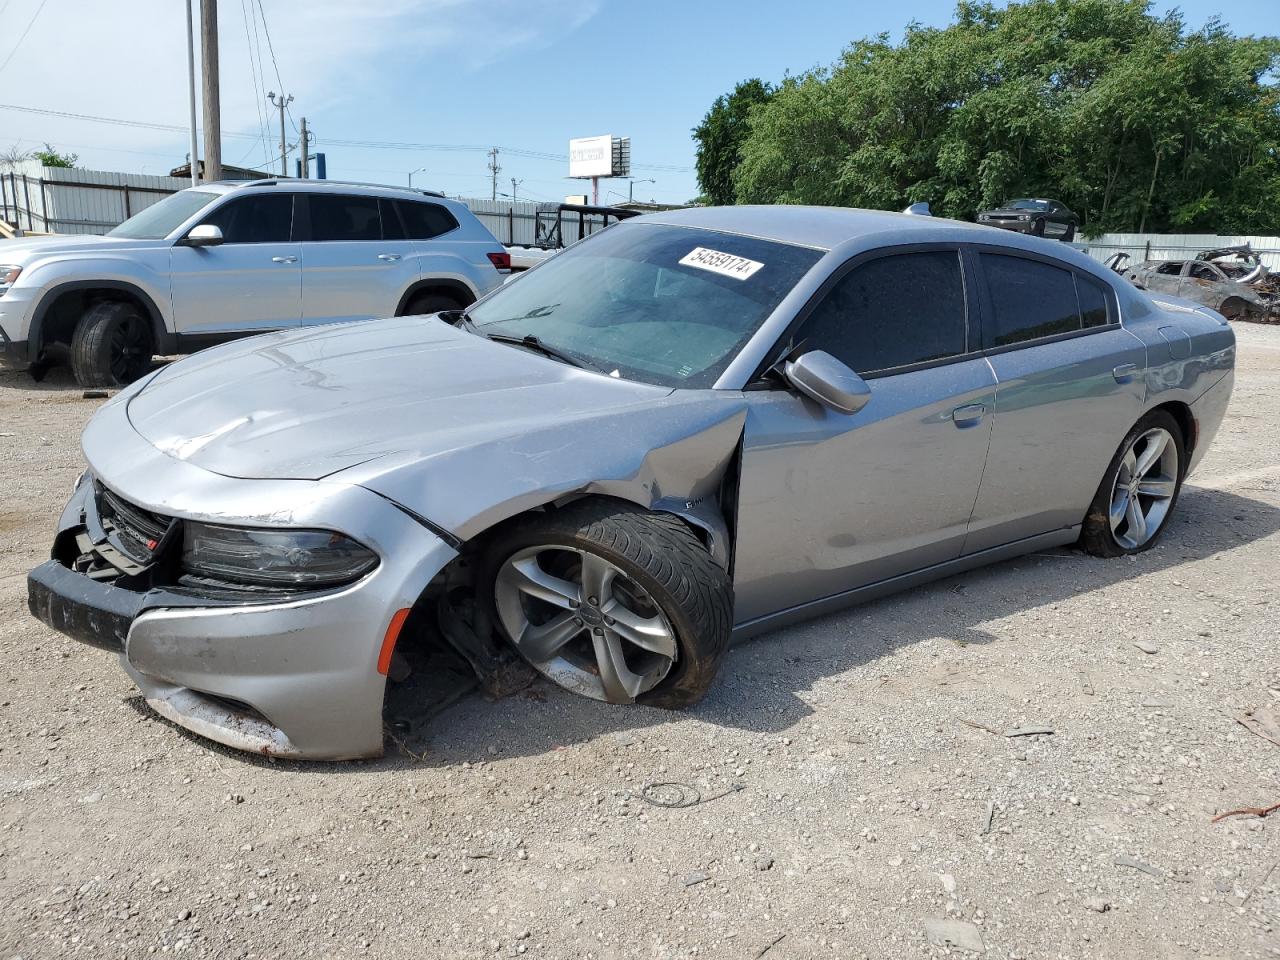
x: 389, y: 257
x: 969, y: 415
x: 284, y: 259
x: 1124, y: 373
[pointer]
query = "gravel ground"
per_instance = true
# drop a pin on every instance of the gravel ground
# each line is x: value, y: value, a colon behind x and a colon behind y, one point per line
x: 858, y: 791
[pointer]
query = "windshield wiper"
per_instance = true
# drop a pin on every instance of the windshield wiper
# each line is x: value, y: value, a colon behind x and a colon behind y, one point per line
x: 533, y: 343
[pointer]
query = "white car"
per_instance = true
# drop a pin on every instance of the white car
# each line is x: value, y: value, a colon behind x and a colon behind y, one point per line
x: 226, y: 260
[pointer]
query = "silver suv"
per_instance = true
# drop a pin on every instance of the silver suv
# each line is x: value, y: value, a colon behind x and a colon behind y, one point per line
x: 227, y: 260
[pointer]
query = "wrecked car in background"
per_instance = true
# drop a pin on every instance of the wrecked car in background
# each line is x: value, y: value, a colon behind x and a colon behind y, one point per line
x: 692, y: 427
x: 1232, y: 280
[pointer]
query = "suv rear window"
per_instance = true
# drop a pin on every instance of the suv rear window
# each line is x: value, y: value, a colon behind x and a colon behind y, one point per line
x: 423, y: 221
x: 339, y: 217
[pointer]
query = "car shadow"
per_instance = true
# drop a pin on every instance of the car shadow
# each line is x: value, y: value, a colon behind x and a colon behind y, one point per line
x: 57, y: 378
x: 763, y: 682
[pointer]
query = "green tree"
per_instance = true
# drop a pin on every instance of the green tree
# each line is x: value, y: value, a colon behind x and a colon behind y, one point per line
x: 50, y: 157
x: 1131, y: 119
x: 720, y: 136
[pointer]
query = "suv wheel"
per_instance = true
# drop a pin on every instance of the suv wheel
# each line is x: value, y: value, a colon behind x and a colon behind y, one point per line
x: 112, y: 345
x: 425, y: 303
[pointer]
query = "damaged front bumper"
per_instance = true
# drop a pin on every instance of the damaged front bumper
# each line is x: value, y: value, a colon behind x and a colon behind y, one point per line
x: 284, y: 675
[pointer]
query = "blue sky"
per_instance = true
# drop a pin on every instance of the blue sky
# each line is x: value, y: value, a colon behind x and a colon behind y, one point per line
x: 462, y: 74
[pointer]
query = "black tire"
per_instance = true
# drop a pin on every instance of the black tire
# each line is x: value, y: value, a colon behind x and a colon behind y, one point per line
x: 1095, y: 533
x: 660, y: 554
x: 112, y: 345
x: 1037, y: 227
x: 1070, y: 234
x: 425, y: 303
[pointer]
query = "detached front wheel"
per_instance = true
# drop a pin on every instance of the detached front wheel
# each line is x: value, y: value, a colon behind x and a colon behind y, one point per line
x: 613, y: 602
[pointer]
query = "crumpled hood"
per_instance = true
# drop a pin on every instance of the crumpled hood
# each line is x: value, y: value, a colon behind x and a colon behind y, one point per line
x: 308, y: 404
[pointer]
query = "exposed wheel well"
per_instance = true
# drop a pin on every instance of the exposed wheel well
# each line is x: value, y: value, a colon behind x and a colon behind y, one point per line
x: 453, y: 289
x: 56, y: 322
x: 1186, y: 422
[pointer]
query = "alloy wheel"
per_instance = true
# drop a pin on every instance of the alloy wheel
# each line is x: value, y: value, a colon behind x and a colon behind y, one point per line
x: 583, y: 623
x: 130, y: 349
x: 1143, y: 491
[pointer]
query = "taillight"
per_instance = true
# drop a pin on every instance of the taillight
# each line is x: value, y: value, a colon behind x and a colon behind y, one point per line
x: 500, y: 260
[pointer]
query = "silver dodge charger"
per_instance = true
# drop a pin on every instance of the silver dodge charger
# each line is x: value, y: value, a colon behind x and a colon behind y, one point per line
x: 690, y: 428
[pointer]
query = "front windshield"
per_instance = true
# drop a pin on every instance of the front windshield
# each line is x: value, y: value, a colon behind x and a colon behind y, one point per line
x: 1028, y: 205
x: 164, y: 216
x: 650, y: 302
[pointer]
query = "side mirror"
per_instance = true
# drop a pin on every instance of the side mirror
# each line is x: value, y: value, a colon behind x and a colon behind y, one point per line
x: 820, y: 376
x: 204, y: 235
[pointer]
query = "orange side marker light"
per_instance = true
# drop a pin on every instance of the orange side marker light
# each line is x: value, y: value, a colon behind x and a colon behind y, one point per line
x: 389, y: 641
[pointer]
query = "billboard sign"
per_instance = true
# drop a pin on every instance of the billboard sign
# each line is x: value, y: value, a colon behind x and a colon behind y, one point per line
x: 591, y: 156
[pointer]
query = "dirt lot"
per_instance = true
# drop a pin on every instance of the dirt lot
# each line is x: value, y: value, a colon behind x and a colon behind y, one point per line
x: 846, y: 801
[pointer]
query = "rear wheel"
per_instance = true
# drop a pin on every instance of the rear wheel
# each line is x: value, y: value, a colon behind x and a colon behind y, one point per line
x: 1070, y: 234
x: 112, y: 345
x: 612, y: 602
x: 1139, y: 490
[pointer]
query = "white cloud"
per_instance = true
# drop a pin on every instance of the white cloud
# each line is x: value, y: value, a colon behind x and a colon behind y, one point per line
x: 128, y: 60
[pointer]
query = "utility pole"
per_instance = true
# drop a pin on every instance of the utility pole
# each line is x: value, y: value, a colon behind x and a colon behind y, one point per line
x: 191, y: 95
x: 284, y: 149
x: 494, y: 170
x: 212, y: 100
x: 514, y: 184
x: 306, y: 166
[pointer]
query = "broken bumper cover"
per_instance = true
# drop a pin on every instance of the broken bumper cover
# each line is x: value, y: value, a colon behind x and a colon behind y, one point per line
x: 295, y: 676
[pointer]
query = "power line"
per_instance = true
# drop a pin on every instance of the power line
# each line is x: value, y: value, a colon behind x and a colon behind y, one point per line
x: 246, y: 12
x: 270, y: 48
x: 331, y: 141
x: 17, y: 46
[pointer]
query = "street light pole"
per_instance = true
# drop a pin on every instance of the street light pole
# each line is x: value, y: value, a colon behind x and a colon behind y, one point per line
x: 412, y: 172
x: 631, y: 189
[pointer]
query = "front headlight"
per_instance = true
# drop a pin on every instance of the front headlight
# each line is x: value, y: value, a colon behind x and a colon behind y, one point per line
x: 274, y: 558
x: 9, y: 274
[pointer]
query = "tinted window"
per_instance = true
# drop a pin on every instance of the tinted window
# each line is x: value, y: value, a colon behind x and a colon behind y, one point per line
x: 336, y: 217
x: 392, y: 229
x: 1029, y: 300
x: 891, y: 312
x: 425, y: 220
x: 1093, y: 302
x: 258, y: 219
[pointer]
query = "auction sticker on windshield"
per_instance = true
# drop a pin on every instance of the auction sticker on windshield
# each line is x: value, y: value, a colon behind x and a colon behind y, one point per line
x: 740, y: 268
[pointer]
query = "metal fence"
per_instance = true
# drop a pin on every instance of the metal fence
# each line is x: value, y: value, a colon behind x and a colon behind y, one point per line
x: 66, y: 200
x: 1181, y: 246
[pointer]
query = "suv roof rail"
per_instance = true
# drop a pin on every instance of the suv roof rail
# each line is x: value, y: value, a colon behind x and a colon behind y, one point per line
x: 276, y: 181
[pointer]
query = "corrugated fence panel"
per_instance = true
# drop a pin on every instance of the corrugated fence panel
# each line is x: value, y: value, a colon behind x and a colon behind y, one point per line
x: 515, y: 223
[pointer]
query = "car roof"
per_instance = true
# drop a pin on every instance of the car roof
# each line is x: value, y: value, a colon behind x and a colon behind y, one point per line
x: 828, y: 227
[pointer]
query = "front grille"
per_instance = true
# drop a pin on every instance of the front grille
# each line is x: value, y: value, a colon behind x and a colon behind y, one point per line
x: 139, y: 530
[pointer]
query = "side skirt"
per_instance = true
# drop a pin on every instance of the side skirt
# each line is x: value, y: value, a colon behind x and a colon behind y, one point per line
x: 873, y: 591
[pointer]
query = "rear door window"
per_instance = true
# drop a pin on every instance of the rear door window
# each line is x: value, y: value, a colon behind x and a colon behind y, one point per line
x: 266, y: 218
x: 1093, y: 302
x: 341, y: 217
x: 1029, y: 300
x: 423, y: 220
x: 892, y: 312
